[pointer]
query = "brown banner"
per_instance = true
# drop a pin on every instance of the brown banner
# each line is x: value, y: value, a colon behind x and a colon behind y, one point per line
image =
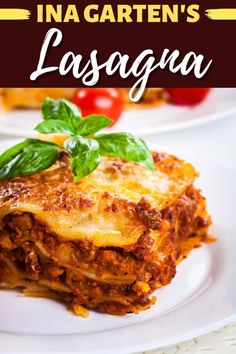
x: 180, y: 40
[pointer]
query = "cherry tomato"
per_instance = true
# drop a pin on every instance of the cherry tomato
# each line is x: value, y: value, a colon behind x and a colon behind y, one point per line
x: 187, y: 96
x: 107, y: 101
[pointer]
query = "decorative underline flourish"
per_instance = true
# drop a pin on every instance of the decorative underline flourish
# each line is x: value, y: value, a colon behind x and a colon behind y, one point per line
x: 221, y: 14
x: 14, y: 14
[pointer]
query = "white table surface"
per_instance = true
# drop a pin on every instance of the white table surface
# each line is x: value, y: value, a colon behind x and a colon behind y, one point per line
x: 215, y: 141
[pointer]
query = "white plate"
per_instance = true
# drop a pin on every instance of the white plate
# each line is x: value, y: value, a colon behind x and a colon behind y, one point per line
x: 219, y: 104
x: 201, y: 298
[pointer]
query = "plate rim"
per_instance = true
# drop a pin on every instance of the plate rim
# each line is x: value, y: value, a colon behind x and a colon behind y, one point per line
x: 148, y: 346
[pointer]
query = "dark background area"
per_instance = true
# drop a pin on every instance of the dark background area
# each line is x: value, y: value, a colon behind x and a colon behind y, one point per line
x: 21, y: 42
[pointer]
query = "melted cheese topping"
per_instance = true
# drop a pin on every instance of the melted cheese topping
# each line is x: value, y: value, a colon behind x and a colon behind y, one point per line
x: 102, y: 207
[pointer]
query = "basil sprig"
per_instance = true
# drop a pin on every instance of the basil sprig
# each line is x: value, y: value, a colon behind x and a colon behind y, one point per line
x: 84, y: 147
x: 62, y: 116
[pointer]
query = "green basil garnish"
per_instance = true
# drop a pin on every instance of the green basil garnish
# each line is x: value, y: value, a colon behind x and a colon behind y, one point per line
x: 61, y: 110
x: 51, y: 126
x: 125, y: 146
x: 28, y: 157
x: 63, y: 117
x: 92, y: 124
x: 85, y: 156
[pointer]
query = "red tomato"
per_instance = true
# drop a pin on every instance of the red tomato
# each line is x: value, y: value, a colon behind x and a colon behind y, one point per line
x: 187, y: 96
x: 107, y: 101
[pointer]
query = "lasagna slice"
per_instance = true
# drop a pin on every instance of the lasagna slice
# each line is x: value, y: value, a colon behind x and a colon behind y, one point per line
x: 105, y: 243
x: 12, y: 98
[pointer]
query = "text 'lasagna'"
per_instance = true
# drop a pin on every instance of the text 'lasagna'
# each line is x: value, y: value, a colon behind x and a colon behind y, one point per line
x: 105, y: 243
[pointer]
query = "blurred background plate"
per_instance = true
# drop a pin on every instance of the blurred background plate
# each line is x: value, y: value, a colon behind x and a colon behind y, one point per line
x: 167, y: 117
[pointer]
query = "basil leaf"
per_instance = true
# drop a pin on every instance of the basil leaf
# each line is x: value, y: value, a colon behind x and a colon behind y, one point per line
x: 62, y: 110
x: 84, y: 154
x: 92, y: 124
x: 125, y: 146
x: 54, y: 126
x: 59, y: 109
x: 27, y: 158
